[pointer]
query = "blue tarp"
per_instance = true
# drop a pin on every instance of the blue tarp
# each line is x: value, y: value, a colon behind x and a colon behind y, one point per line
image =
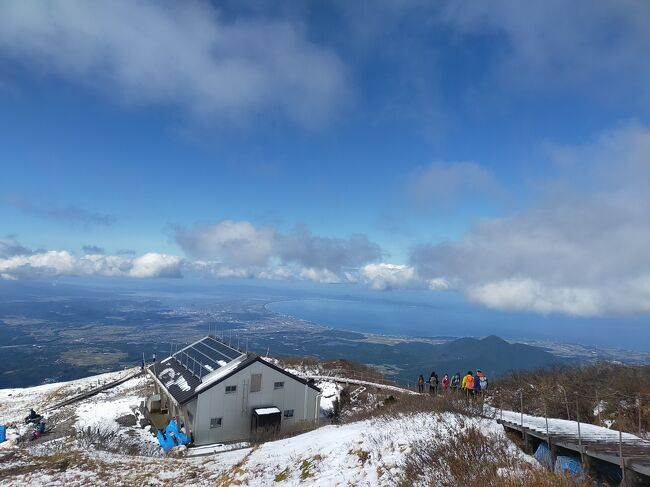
x: 570, y: 466
x: 172, y: 437
x: 3, y: 433
x: 543, y: 455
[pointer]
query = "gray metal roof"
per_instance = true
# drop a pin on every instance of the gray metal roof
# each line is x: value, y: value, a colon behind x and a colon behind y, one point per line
x: 182, y: 372
x: 185, y: 371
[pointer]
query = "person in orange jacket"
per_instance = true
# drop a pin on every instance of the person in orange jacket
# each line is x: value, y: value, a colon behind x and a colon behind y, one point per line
x: 468, y: 383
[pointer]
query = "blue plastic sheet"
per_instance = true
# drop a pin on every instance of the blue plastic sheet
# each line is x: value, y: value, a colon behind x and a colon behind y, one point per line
x: 543, y: 455
x: 3, y: 433
x: 166, y: 442
x: 172, y: 437
x: 569, y: 466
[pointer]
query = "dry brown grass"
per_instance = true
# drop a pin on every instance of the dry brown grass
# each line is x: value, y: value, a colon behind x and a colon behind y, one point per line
x: 617, y: 387
x: 470, y: 457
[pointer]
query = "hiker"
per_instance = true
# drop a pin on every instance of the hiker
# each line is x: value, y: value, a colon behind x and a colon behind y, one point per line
x: 468, y: 383
x: 445, y: 382
x: 433, y: 383
x: 32, y: 417
x: 421, y: 383
x: 39, y: 430
x: 482, y: 379
x: 455, y: 381
x: 477, y: 384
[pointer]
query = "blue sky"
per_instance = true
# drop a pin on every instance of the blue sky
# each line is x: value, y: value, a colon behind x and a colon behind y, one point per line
x: 495, y: 149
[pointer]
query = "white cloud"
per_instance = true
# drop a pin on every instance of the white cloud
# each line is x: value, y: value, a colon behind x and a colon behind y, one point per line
x: 323, y: 276
x: 44, y: 263
x: 55, y: 263
x: 187, y: 54
x: 243, y: 245
x: 388, y: 276
x: 581, y: 248
x: 235, y: 243
x: 529, y: 295
x: 155, y: 265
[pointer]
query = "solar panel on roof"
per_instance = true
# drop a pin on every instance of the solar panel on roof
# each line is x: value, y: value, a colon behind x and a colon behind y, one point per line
x: 205, y: 356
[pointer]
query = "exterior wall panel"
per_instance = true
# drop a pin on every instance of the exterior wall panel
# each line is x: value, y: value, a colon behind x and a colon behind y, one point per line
x: 236, y: 409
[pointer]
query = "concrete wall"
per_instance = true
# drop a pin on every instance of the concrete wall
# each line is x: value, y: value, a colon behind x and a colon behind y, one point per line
x: 236, y: 409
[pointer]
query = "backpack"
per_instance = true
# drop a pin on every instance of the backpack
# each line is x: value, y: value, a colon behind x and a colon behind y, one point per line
x: 455, y: 381
x: 469, y: 383
x: 483, y: 382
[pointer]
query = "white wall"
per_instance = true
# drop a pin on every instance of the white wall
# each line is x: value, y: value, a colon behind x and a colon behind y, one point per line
x: 236, y: 409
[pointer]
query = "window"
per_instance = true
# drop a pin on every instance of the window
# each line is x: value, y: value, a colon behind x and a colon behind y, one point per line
x: 256, y: 382
x: 231, y: 389
x: 215, y: 423
x: 288, y: 413
x: 278, y: 385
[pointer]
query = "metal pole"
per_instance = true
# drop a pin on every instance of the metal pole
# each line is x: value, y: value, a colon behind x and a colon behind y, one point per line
x: 620, y: 449
x: 582, y: 453
x: 548, y: 436
x: 566, y: 401
x: 521, y: 402
x: 640, y: 431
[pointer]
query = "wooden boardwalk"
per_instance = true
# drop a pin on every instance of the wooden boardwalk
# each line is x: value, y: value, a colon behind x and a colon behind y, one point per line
x: 593, y: 443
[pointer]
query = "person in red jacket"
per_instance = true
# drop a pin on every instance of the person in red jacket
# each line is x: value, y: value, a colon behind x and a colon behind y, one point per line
x: 445, y: 382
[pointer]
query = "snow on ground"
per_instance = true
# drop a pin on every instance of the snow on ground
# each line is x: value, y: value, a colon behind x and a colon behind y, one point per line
x: 566, y: 427
x: 330, y: 392
x: 367, y: 452
x: 100, y: 411
x: 15, y: 403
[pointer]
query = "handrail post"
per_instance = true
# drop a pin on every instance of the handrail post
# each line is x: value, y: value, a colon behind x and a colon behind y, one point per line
x: 582, y: 453
x: 620, y: 448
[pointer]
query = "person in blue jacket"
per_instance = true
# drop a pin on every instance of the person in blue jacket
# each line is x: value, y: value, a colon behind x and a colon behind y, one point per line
x: 477, y: 384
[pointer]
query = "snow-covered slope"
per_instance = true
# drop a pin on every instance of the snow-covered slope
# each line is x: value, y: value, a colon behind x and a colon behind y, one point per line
x: 370, y: 452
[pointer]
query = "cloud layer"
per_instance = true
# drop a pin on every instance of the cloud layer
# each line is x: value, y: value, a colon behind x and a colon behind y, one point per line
x: 551, y: 44
x: 242, y: 249
x: 18, y: 262
x: 186, y: 54
x: 68, y: 214
x: 582, y: 249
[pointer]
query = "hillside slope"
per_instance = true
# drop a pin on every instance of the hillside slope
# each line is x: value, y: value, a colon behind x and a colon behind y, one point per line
x: 377, y: 451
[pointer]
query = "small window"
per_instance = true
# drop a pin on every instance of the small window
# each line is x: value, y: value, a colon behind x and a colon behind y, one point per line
x: 256, y: 382
x: 278, y: 385
x: 288, y: 413
x: 231, y: 389
x: 215, y: 423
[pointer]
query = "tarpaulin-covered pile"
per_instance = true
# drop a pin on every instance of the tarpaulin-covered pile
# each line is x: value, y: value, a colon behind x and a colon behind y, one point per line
x: 570, y: 467
x: 172, y: 437
x: 543, y: 455
x: 3, y: 433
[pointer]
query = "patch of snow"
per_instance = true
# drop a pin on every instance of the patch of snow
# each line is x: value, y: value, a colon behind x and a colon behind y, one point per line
x: 264, y: 411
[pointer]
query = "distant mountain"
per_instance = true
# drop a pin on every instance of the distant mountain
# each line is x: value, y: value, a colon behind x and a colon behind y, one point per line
x: 492, y: 355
